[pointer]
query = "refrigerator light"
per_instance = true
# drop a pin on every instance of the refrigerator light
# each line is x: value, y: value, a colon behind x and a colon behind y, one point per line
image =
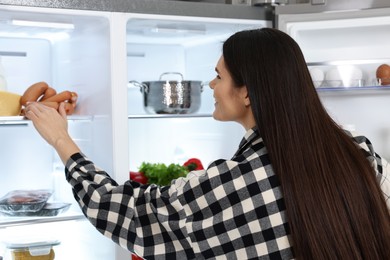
x: 174, y: 30
x: 68, y: 26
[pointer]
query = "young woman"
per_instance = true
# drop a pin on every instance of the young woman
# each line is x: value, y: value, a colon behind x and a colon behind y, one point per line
x: 298, y: 186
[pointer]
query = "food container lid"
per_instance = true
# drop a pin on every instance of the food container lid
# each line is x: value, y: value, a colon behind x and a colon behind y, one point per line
x: 24, y: 200
x: 36, y: 246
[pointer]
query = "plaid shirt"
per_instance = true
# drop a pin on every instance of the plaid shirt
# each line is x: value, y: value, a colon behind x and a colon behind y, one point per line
x: 232, y: 210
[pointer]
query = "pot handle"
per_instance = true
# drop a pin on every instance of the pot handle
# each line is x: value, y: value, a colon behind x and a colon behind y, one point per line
x: 171, y: 73
x: 143, y: 87
x: 204, y: 84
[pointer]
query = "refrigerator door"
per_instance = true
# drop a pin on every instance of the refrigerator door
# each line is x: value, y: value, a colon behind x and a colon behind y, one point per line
x: 322, y: 6
x: 343, y: 49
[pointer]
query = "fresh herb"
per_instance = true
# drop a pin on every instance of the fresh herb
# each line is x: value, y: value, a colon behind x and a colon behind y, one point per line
x: 161, y: 174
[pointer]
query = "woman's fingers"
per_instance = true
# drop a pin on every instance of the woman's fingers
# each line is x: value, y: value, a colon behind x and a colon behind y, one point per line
x: 51, y: 124
x: 35, y: 109
x: 62, y: 110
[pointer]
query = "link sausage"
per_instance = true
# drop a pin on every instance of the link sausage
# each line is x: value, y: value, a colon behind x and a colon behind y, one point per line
x: 73, y: 99
x: 48, y: 93
x: 69, y: 108
x: 33, y: 92
x: 61, y: 97
x: 51, y: 104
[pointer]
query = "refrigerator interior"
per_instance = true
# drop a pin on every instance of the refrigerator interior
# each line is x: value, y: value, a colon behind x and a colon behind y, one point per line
x: 191, y: 47
x: 343, y: 50
x: 55, y: 46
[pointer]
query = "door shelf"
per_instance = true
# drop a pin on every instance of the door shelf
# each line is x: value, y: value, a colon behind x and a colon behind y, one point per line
x: 354, y: 90
x: 348, y: 62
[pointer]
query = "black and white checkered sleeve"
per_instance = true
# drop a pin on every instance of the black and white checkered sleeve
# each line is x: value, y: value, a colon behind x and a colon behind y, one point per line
x: 381, y: 165
x: 144, y: 219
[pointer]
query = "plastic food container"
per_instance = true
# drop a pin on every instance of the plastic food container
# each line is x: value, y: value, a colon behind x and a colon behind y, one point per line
x: 31, y: 249
x: 24, y: 201
x: 49, y: 210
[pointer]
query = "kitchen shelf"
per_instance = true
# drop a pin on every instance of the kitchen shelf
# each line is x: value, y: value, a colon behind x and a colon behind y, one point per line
x: 168, y: 116
x: 21, y: 221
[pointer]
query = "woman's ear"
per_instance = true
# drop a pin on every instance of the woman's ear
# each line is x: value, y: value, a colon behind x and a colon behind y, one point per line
x: 245, y: 96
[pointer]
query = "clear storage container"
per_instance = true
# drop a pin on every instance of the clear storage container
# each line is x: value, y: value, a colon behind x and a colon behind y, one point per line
x: 31, y: 249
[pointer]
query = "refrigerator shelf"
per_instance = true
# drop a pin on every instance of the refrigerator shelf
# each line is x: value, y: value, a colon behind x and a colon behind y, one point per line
x: 168, y: 116
x: 6, y: 222
x: 348, y: 62
x: 354, y: 91
x: 21, y: 120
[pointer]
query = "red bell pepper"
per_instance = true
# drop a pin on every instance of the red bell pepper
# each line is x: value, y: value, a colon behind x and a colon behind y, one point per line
x: 193, y: 164
x: 135, y: 257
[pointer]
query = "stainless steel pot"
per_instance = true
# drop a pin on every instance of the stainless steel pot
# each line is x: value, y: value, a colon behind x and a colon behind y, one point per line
x: 171, y: 96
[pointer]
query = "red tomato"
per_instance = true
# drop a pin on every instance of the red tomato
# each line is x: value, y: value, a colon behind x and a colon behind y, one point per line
x: 135, y: 257
x: 138, y: 177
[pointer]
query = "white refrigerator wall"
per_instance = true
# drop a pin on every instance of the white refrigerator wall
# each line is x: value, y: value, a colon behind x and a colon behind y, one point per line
x: 366, y: 113
x: 347, y: 42
x: 192, y: 47
x: 67, y: 59
x: 175, y: 140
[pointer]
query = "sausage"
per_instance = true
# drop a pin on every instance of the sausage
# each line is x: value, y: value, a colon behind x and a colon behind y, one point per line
x: 51, y: 104
x: 33, y: 92
x: 48, y: 93
x: 69, y: 108
x: 73, y: 99
x: 61, y: 97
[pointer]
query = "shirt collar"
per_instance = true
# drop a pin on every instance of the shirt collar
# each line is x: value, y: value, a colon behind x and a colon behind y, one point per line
x: 250, y: 135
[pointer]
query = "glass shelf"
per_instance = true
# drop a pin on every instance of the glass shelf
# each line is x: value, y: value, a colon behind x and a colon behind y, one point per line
x: 21, y: 120
x: 168, y: 116
x: 6, y: 221
x: 348, y: 62
x: 354, y: 90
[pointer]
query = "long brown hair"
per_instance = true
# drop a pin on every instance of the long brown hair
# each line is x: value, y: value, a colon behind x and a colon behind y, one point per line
x: 334, y: 204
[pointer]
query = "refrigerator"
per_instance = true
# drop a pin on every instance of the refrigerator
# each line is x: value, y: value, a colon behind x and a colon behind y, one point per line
x: 344, y: 44
x: 95, y: 49
x: 98, y: 49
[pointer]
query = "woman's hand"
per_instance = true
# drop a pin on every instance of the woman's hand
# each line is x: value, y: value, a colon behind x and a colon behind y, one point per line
x: 53, y: 127
x: 50, y: 124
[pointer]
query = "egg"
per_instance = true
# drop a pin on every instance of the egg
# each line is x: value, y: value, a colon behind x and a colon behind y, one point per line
x: 383, y: 74
x: 333, y: 78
